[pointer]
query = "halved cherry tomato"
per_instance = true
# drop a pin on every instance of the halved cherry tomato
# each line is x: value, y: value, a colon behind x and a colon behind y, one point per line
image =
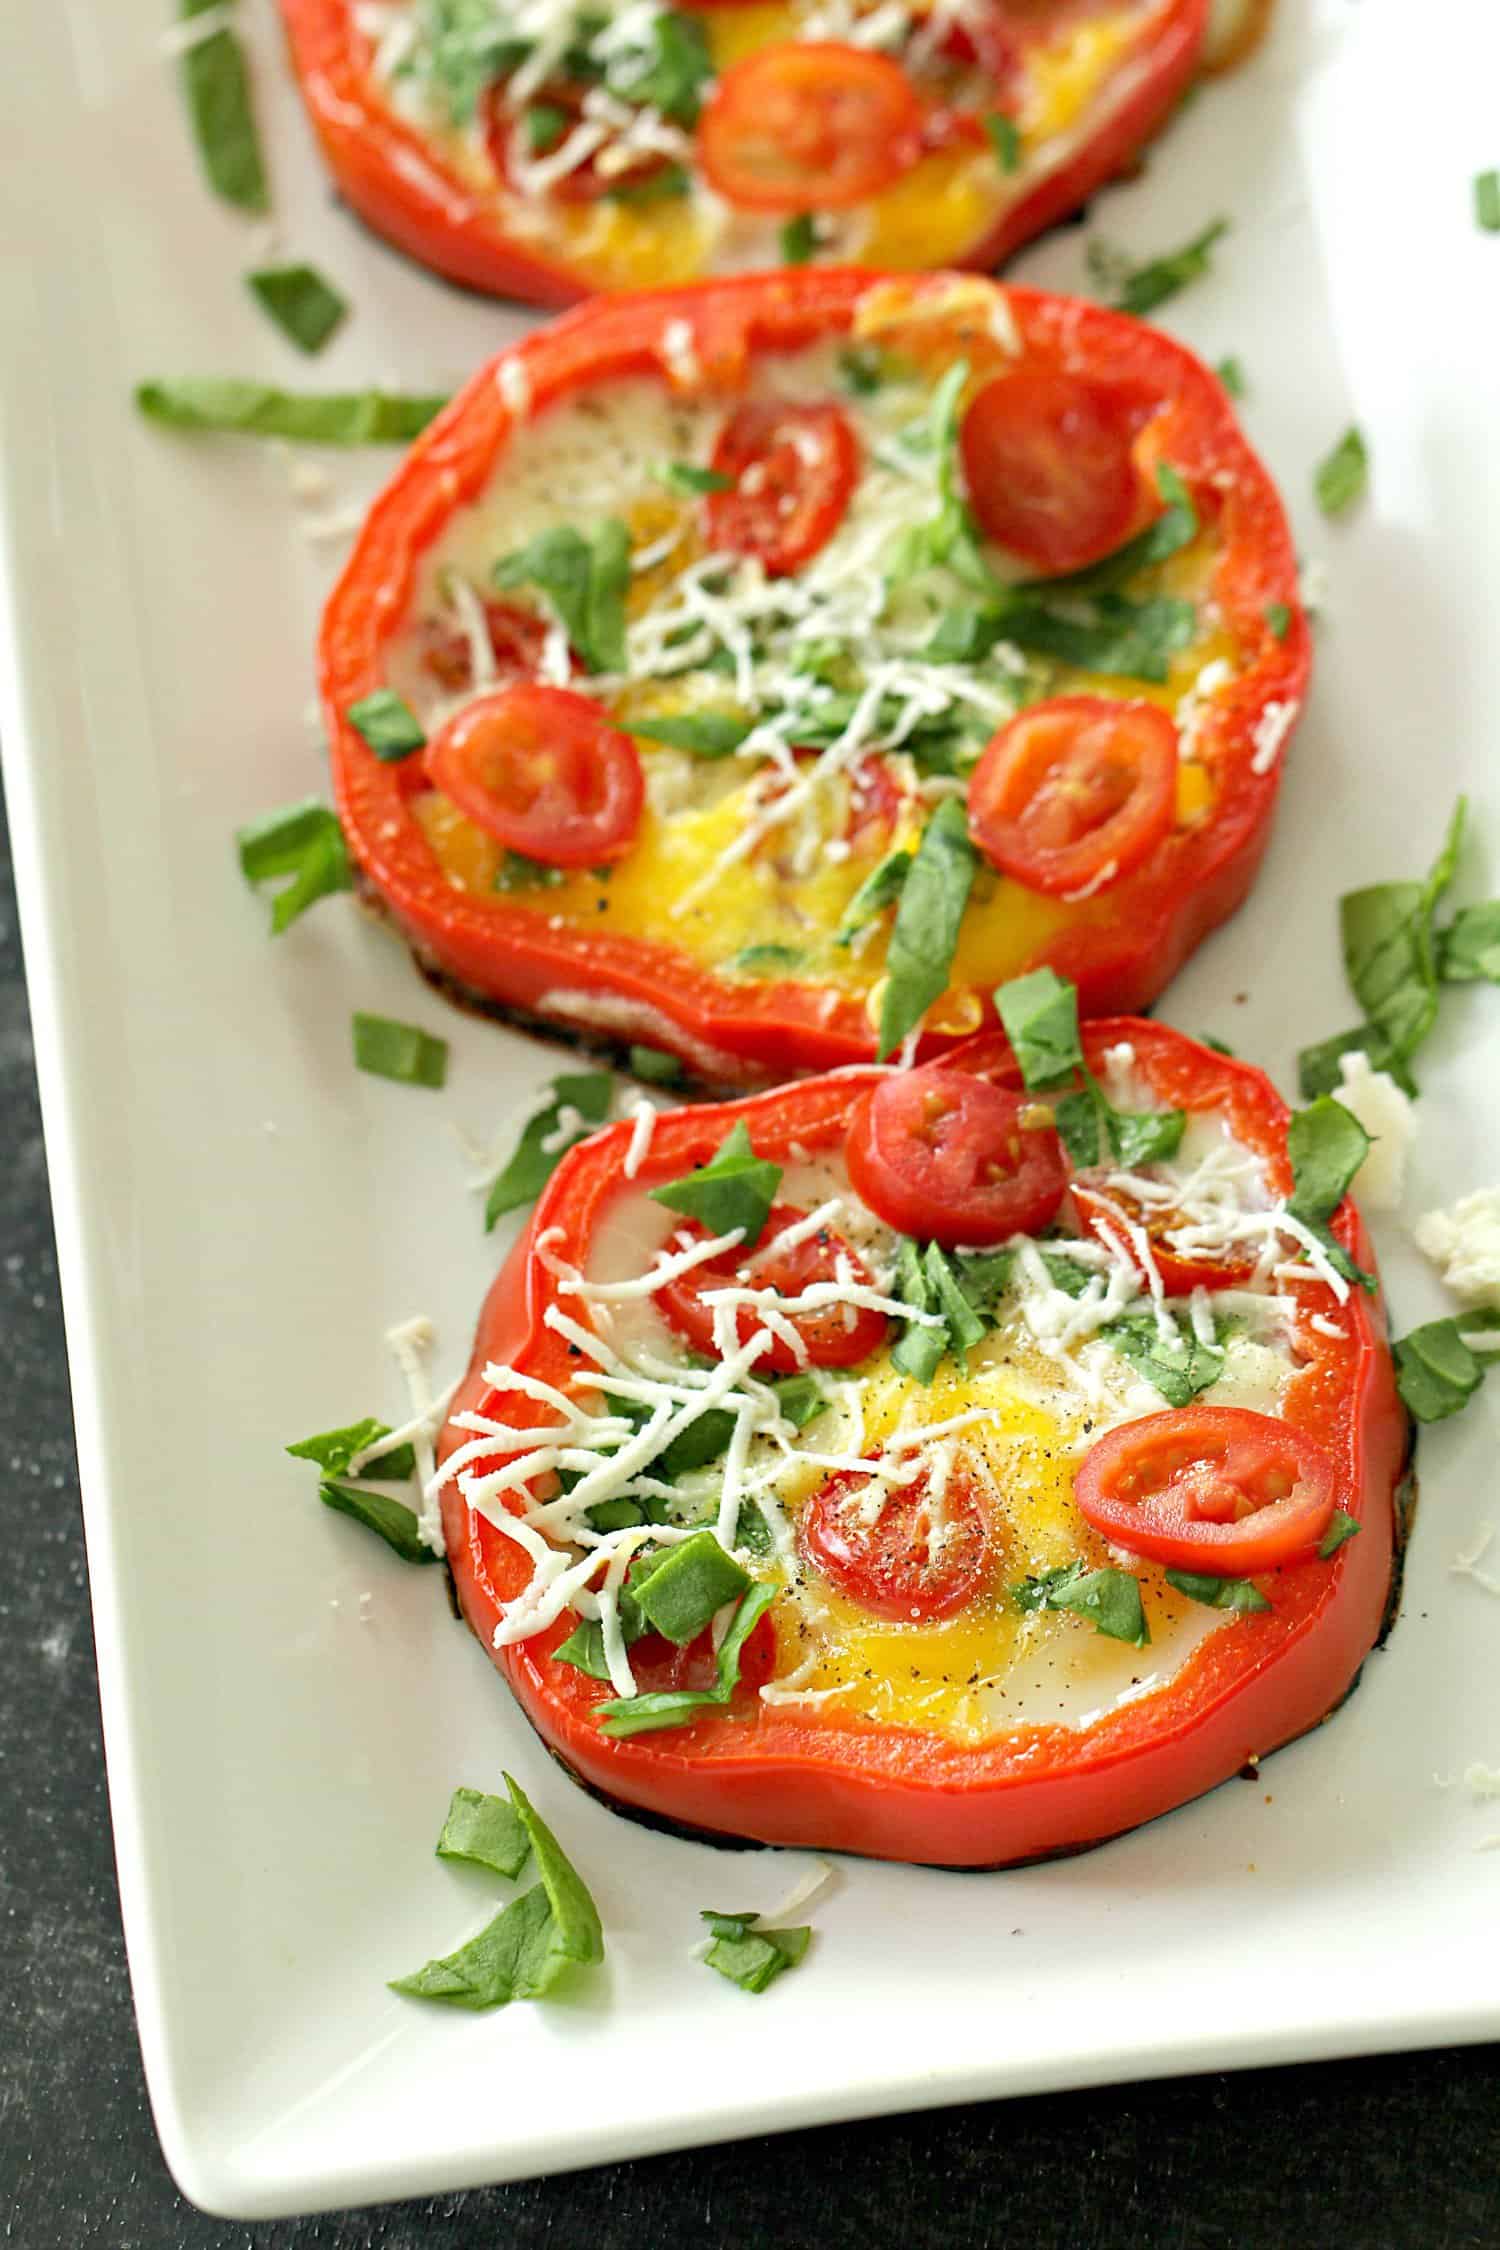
x: 1180, y: 1275
x: 810, y: 126
x: 1048, y: 461
x: 837, y: 1335
x: 889, y: 1548
x: 542, y: 769
x: 517, y: 637
x: 794, y: 468
x: 1074, y: 793
x: 1208, y: 1488
x: 949, y: 1157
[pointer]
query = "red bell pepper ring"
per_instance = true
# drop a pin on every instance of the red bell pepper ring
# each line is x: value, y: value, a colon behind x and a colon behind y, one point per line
x: 795, y: 1775
x: 408, y: 189
x: 1119, y: 950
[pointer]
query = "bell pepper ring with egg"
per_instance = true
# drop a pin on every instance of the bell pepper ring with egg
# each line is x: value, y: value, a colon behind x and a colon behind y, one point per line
x: 799, y: 657
x: 596, y: 156
x: 923, y: 1647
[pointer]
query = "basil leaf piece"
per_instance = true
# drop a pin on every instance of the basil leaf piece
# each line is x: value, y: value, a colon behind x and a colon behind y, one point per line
x: 486, y: 1832
x: 1080, y: 1118
x: 1005, y: 140
x: 585, y: 580
x: 862, y: 367
x: 707, y: 734
x: 661, y: 186
x: 764, y: 960
x: 749, y: 1956
x: 1218, y: 1593
x: 800, y: 1399
x: 1178, y: 1370
x: 687, y: 1587
x: 1102, y: 633
x: 929, y: 915
x: 303, y: 305
x: 399, y: 1051
x: 880, y: 889
x: 1279, y: 618
x: 965, y: 1328
x: 1468, y: 951
x: 333, y: 1450
x: 675, y: 1707
x: 1110, y: 1599
x: 545, y: 1140
x: 1231, y: 374
x: 799, y: 239
x: 655, y: 1066
x: 918, y: 1351
x: 1040, y: 1015
x: 387, y: 725
x: 1318, y: 1069
x: 516, y: 872
x: 522, y: 1953
x: 1487, y: 201
x: 1341, y: 475
x: 1389, y: 951
x: 678, y: 69
x: 1326, y: 1145
x: 1437, y: 1368
x: 1147, y: 1136
x: 216, y: 87
x: 304, y: 841
x: 1141, y: 288
x: 1341, y: 1526
x: 1219, y: 1046
x: 735, y: 1189
x: 225, y: 403
x: 686, y: 476
x: 544, y: 125
x: 390, y: 1520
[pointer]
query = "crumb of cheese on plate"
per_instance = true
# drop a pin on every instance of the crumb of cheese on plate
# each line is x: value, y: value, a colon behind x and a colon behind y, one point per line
x: 1386, y: 1115
x: 1464, y: 1241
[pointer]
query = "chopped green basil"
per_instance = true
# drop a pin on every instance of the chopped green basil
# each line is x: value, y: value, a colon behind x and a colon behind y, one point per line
x: 1166, y: 535
x: 333, y: 1450
x: 1040, y: 1015
x: 880, y: 889
x: 1141, y: 288
x: 544, y: 124
x: 679, y: 67
x: 485, y: 1831
x: 1468, y: 951
x: 1487, y: 201
x: 390, y: 1519
x: 216, y: 86
x: 1438, y: 1369
x: 304, y: 841
x: 1279, y: 618
x: 211, y: 402
x: 1119, y: 638
x: 862, y: 368
x: 686, y: 476
x: 1005, y: 139
x: 708, y: 734
x: 928, y: 918
x: 302, y: 304
x: 735, y: 1189
x: 655, y: 1066
x: 688, y: 1586
x: 1217, y: 1593
x: 764, y: 960
x: 1326, y: 1145
x: 585, y: 580
x: 1231, y: 374
x: 1180, y: 1369
x: 547, y: 1137
x: 523, y: 1952
x: 1219, y: 1046
x: 402, y: 1051
x: 1341, y: 475
x: 749, y: 1956
x: 799, y: 239
x: 1341, y: 1526
x: 675, y: 1707
x: 1110, y: 1599
x: 515, y: 872
x: 389, y: 726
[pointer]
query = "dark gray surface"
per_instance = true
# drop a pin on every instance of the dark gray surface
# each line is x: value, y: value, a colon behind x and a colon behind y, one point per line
x: 1385, y: 2153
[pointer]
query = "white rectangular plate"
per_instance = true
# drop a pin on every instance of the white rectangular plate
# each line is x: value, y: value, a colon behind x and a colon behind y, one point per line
x: 240, y: 1214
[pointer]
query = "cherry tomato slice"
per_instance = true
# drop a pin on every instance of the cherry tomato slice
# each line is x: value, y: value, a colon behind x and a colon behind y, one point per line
x: 793, y: 468
x: 1099, y: 1206
x: 1074, y: 793
x: 517, y: 638
x: 893, y: 1548
x: 946, y: 1156
x: 1047, y: 457
x: 809, y: 126
x: 542, y: 769
x: 1209, y: 1488
x: 836, y: 1335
